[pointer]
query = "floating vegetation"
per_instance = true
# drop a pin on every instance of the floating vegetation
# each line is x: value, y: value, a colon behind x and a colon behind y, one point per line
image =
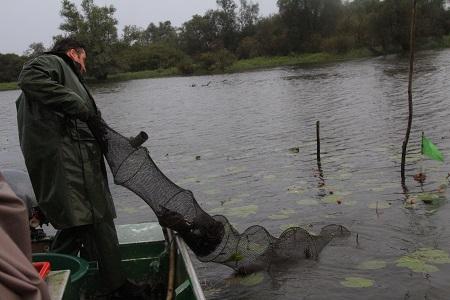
x: 377, y: 189
x: 308, y: 202
x: 269, y: 177
x: 294, y: 150
x: 234, y: 170
x: 420, y: 177
x: 252, y: 280
x: 296, y: 190
x: 217, y: 210
x: 429, y: 198
x: 283, y: 214
x: 422, y: 260
x: 129, y: 210
x: 231, y: 201
x: 372, y: 265
x: 338, y: 198
x: 333, y: 199
x: 357, y: 282
x: 380, y: 205
x: 212, y: 192
x: 278, y: 217
x: 243, y: 211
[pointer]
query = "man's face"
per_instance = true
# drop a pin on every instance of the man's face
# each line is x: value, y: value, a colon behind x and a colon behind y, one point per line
x: 79, y: 56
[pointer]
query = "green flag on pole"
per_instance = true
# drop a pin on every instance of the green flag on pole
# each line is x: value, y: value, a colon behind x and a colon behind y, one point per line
x: 430, y: 150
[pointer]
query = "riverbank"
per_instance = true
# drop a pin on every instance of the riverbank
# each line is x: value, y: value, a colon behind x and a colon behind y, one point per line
x: 295, y: 60
x: 238, y: 66
x: 7, y: 86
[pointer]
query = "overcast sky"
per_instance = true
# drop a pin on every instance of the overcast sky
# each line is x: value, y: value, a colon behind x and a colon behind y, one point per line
x: 23, y: 22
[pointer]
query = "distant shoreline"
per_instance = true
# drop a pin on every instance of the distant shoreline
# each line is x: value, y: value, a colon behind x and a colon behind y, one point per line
x: 238, y: 66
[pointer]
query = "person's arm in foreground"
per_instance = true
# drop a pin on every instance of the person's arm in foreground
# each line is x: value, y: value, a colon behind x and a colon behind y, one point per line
x: 18, y: 277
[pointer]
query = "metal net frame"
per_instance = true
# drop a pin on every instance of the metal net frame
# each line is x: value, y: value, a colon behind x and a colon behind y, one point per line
x: 211, y: 238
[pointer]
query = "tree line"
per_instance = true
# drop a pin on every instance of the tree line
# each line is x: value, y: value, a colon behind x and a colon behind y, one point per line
x: 214, y: 40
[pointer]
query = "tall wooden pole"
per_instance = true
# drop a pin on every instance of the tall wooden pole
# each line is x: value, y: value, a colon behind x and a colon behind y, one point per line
x: 319, y: 163
x: 412, y: 41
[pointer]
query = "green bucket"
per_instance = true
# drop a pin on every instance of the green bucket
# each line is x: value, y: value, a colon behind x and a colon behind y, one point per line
x: 78, y: 268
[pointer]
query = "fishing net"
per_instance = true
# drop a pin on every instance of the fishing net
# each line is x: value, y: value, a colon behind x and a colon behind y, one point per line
x: 211, y: 238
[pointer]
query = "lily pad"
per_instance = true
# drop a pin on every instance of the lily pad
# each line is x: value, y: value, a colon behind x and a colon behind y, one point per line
x: 217, y: 210
x: 284, y: 214
x: 243, y: 211
x: 129, y: 210
x: 308, y: 202
x: 416, y: 265
x: 269, y: 177
x: 212, y: 192
x: 422, y: 260
x: 429, y: 197
x: 287, y: 211
x: 333, y: 199
x: 252, y: 280
x: 235, y: 169
x: 278, y: 217
x: 231, y: 201
x: 372, y: 265
x: 296, y: 190
x: 357, y: 282
x: 380, y: 205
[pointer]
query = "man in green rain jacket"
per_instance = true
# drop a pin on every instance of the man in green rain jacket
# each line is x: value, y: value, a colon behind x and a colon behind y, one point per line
x: 65, y: 162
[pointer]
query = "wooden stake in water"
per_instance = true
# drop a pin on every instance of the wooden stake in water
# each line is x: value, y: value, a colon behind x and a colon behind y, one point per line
x: 319, y: 164
x: 412, y: 41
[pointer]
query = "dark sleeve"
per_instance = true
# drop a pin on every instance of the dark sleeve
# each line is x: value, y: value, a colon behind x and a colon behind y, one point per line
x: 40, y: 81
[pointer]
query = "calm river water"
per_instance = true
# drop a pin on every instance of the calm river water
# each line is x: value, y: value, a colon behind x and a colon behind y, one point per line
x: 232, y: 140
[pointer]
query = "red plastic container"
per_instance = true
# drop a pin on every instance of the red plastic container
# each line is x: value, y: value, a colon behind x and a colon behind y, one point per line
x: 43, y: 267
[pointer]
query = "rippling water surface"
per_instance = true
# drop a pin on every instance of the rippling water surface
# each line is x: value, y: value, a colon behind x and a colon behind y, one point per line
x: 233, y: 142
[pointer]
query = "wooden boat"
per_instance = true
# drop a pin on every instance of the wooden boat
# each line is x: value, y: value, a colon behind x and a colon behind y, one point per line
x: 148, y: 255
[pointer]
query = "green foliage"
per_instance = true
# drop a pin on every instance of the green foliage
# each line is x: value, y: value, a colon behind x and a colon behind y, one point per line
x: 6, y: 86
x: 10, y: 66
x: 96, y: 27
x: 143, y: 74
x: 338, y: 44
x: 186, y: 66
x: 249, y: 47
x: 303, y: 31
x: 216, y: 61
x: 199, y: 34
x: 152, y: 57
x: 248, y: 17
x: 34, y: 50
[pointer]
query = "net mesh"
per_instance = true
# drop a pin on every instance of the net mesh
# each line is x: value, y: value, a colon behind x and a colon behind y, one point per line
x: 211, y: 238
